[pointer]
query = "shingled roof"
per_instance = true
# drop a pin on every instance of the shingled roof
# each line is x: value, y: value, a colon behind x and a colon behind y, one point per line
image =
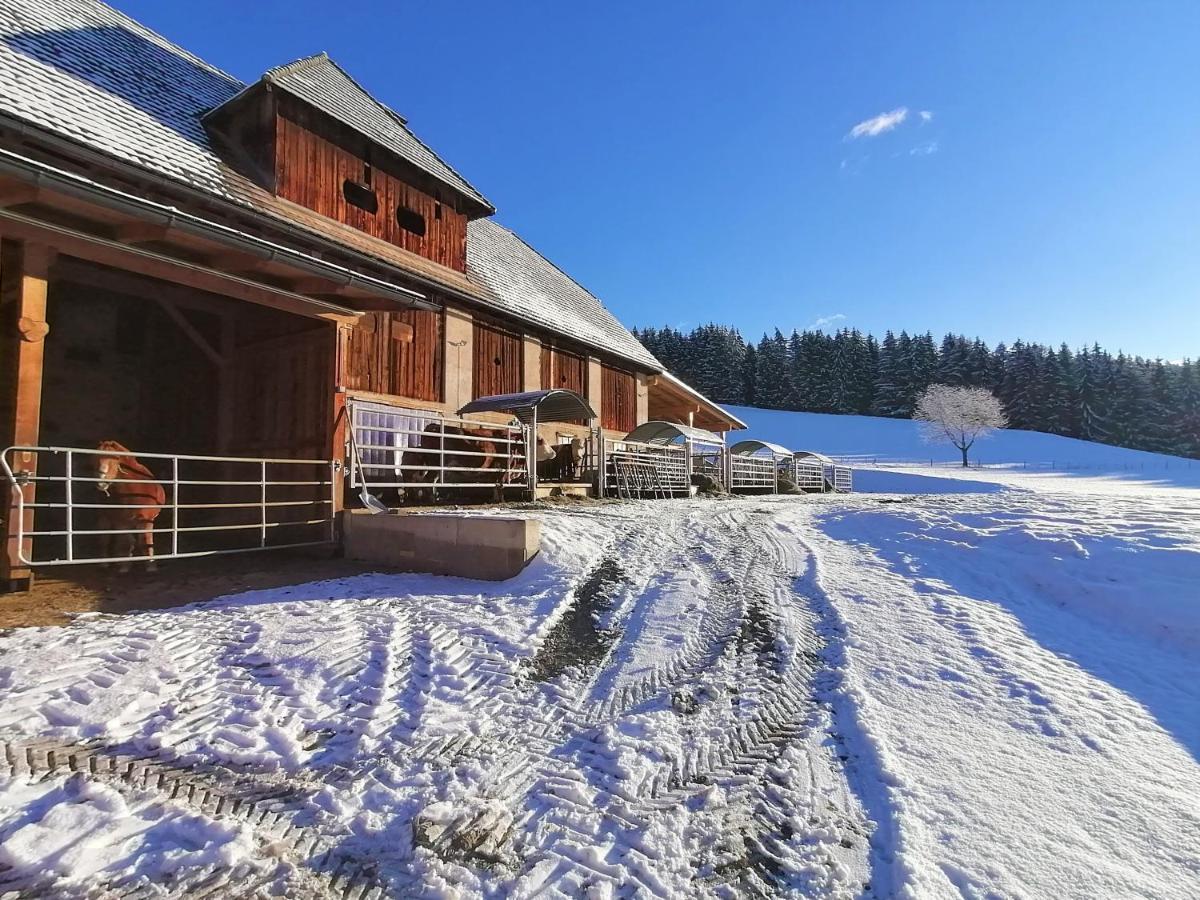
x: 86, y: 72
x: 525, y: 284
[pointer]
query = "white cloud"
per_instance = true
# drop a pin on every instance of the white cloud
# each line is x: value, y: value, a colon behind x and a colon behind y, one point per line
x: 926, y: 116
x: 825, y: 321
x: 879, y: 124
x: 925, y: 148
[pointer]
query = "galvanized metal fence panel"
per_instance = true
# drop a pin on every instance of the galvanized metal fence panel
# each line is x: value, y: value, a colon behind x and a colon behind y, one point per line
x: 668, y: 463
x: 809, y: 475
x: 213, y: 504
x: 752, y: 472
x: 404, y: 449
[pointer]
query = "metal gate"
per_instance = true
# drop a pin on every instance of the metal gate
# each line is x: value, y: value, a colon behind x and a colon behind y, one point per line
x: 214, y: 504
x: 637, y: 469
x: 809, y: 475
x: 407, y: 452
x: 748, y: 472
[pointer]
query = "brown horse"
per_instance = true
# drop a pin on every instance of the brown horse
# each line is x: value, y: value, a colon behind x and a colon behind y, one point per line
x: 138, y: 501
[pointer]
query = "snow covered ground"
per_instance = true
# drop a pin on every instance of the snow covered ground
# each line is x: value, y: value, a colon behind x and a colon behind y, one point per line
x: 868, y: 438
x: 986, y: 693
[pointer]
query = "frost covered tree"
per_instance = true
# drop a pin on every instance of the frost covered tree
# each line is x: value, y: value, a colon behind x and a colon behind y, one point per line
x: 958, y: 415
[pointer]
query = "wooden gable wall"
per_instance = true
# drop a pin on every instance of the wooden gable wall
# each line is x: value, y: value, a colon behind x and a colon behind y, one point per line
x: 315, y: 155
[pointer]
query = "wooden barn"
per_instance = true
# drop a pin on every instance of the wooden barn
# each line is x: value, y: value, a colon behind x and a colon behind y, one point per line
x: 220, y: 279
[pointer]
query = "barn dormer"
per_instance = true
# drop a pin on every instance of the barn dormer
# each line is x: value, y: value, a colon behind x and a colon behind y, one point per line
x: 310, y: 134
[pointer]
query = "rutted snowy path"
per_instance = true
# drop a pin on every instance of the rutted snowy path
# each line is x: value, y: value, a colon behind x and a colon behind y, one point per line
x: 637, y: 714
x: 979, y: 695
x: 1022, y: 671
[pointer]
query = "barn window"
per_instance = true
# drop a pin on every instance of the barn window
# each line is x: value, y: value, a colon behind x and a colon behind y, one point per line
x: 437, y: 211
x: 411, y: 220
x: 360, y: 195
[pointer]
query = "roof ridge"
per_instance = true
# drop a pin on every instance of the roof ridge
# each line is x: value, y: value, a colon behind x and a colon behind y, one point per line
x: 403, y: 124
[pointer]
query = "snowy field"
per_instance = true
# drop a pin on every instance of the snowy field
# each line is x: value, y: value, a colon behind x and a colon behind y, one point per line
x: 990, y: 692
x: 868, y: 438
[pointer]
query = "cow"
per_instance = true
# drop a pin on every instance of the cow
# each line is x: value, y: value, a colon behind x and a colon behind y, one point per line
x: 445, y: 455
x: 567, y: 461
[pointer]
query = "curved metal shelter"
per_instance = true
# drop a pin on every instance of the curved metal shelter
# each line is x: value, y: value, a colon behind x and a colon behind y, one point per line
x: 660, y: 432
x: 531, y: 407
x: 812, y: 455
x: 760, y: 448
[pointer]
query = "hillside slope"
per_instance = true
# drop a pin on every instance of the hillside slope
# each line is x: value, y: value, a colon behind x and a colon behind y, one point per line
x: 869, y: 438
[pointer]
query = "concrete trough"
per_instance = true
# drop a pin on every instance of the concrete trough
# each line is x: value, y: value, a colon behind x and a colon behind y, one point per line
x: 490, y: 548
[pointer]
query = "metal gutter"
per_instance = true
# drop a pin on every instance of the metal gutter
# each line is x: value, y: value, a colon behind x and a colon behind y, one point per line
x: 12, y: 216
x: 261, y: 247
x: 46, y: 176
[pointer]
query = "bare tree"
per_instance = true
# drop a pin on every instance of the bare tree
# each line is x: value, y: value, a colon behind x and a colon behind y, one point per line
x: 958, y: 415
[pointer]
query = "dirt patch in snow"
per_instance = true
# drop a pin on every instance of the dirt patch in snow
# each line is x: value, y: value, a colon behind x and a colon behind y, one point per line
x: 577, y: 640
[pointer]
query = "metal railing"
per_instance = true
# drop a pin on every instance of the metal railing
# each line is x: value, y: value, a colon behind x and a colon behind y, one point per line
x: 809, y: 475
x: 411, y: 450
x: 668, y: 462
x: 213, y: 504
x: 748, y: 472
x: 841, y: 479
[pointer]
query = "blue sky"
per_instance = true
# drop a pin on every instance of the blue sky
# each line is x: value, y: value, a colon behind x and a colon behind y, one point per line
x: 693, y: 162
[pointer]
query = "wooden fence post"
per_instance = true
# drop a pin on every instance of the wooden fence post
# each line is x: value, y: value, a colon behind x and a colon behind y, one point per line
x: 24, y: 285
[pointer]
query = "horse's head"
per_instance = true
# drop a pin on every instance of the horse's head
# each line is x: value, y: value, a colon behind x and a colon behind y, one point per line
x: 108, y: 463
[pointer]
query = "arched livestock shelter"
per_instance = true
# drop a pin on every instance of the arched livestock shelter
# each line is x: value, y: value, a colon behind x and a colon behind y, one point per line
x: 817, y: 473
x: 659, y: 459
x: 754, y: 465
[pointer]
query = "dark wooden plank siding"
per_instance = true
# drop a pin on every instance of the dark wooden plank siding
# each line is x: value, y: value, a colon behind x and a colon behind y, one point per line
x: 562, y: 369
x: 316, y: 155
x: 284, y: 397
x: 377, y: 360
x: 618, y: 400
x: 497, y: 363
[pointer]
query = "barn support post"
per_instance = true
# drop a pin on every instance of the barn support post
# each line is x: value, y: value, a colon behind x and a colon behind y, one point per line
x: 531, y: 454
x: 601, y: 459
x: 24, y: 287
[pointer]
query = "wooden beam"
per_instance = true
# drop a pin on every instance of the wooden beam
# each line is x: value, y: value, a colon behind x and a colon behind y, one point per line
x: 16, y: 193
x: 226, y: 386
x: 237, y: 262
x: 24, y: 286
x: 214, y: 356
x: 154, y: 266
x: 402, y: 332
x: 141, y: 232
x: 318, y: 286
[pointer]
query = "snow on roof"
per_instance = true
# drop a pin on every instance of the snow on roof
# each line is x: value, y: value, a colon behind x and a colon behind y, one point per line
x: 552, y: 405
x: 525, y: 284
x: 657, y: 432
x: 812, y: 454
x: 759, y: 448
x: 83, y: 71
x: 688, y: 389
